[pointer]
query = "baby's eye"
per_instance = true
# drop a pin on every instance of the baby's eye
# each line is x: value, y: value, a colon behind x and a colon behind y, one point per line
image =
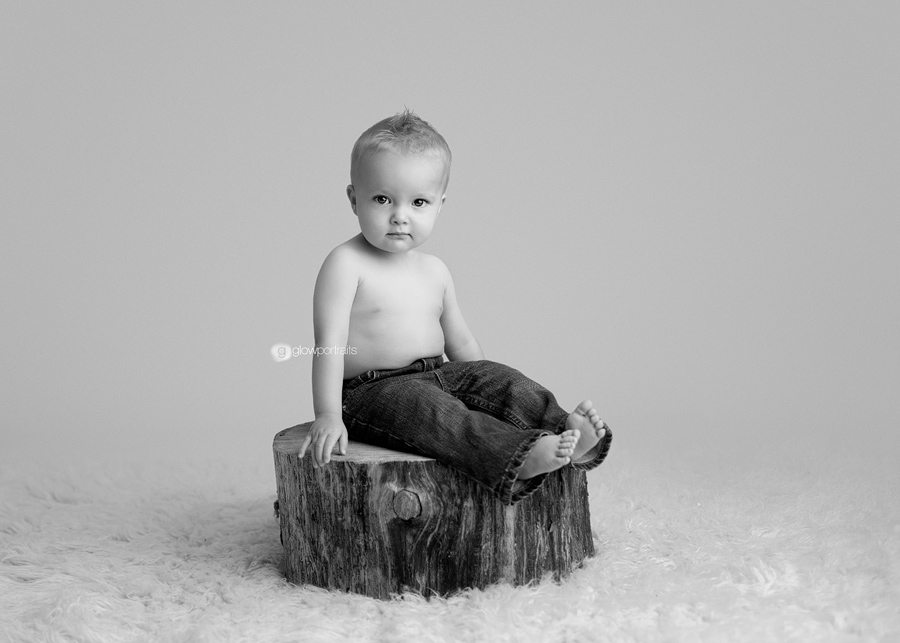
x: 381, y: 199
x: 420, y: 203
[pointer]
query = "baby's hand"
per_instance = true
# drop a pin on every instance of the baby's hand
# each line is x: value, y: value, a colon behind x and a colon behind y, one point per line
x: 327, y: 431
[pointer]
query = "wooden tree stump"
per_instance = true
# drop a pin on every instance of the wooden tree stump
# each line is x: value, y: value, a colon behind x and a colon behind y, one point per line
x: 380, y: 522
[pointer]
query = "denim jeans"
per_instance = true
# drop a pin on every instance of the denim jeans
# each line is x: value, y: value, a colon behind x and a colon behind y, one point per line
x: 480, y: 417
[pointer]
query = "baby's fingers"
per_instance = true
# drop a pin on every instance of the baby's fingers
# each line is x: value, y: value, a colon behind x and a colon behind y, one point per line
x: 319, y: 452
x: 304, y: 446
x: 329, y: 447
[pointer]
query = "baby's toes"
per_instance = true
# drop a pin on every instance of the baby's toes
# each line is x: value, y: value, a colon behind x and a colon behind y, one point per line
x: 567, y: 442
x: 585, y: 407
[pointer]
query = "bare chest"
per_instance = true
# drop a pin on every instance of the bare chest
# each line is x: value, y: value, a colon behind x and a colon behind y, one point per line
x: 389, y: 294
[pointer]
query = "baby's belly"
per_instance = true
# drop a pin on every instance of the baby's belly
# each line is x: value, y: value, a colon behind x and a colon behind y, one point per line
x: 392, y: 347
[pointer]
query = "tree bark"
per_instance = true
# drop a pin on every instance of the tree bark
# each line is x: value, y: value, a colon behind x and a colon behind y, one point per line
x: 380, y: 522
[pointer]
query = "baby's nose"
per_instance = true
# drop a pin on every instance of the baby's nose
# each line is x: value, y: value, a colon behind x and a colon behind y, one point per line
x: 400, y: 214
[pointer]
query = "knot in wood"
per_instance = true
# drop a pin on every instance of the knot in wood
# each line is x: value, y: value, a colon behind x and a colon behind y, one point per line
x: 407, y: 504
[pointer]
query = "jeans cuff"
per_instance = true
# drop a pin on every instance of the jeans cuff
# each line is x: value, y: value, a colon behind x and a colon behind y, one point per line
x: 511, y: 489
x: 596, y: 455
x: 521, y: 489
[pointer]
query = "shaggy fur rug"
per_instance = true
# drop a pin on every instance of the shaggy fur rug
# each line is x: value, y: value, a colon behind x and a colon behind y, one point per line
x: 793, y: 551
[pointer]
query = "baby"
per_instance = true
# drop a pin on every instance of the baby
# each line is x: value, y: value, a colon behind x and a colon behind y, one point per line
x: 397, y: 307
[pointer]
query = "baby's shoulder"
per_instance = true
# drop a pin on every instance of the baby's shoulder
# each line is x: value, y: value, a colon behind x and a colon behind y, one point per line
x: 433, y: 265
x: 343, y: 265
x: 431, y: 261
x: 345, y: 254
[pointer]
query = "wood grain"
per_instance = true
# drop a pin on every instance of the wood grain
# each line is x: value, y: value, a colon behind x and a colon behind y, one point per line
x: 380, y: 522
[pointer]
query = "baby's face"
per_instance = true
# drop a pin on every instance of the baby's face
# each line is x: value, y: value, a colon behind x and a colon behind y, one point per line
x: 397, y: 198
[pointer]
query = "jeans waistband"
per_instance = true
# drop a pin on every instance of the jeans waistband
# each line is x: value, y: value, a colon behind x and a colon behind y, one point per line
x: 422, y: 365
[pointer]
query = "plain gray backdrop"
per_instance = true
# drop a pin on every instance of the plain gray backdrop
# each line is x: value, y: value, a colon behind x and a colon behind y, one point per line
x: 687, y: 212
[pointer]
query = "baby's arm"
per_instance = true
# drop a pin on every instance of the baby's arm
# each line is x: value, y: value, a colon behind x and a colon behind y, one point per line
x: 459, y: 342
x: 332, y: 301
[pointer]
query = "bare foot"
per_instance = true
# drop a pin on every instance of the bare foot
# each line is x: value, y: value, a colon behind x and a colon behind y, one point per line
x: 549, y: 453
x: 587, y: 422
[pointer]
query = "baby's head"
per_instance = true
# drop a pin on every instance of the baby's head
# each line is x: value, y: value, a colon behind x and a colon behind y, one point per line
x: 399, y: 171
x: 405, y: 133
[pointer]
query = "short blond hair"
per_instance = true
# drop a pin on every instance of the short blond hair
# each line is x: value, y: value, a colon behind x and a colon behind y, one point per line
x: 404, y: 133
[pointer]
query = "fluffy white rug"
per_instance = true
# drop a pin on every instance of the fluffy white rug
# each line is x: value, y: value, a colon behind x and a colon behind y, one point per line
x: 792, y: 551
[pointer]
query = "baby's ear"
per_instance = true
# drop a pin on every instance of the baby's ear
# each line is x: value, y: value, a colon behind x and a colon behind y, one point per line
x: 351, y: 194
